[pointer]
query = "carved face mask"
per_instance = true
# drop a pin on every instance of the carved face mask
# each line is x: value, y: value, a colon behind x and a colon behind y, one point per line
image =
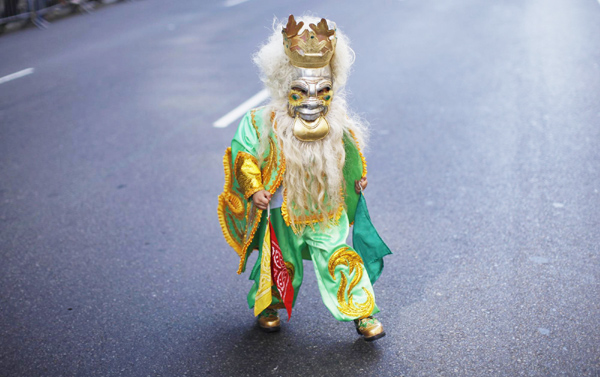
x: 308, y: 102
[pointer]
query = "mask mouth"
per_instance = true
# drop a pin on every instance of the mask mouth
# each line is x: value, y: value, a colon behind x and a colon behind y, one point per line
x: 310, y: 130
x: 310, y: 112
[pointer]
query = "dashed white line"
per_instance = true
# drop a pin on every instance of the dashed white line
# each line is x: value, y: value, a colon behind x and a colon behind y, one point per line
x: 16, y: 75
x: 231, y: 3
x: 234, y: 114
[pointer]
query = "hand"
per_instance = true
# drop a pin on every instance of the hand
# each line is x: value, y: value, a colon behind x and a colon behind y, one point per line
x: 261, y: 199
x: 360, y: 183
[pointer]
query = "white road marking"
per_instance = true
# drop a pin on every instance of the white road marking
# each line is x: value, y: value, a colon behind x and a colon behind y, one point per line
x: 231, y: 3
x: 16, y: 75
x: 242, y: 109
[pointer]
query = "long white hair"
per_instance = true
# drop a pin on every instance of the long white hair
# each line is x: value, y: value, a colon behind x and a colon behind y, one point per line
x: 314, y: 178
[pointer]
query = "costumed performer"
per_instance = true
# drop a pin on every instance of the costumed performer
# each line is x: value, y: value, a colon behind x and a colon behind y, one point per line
x: 294, y: 175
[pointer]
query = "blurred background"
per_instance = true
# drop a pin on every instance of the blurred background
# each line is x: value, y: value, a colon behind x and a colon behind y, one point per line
x: 484, y: 179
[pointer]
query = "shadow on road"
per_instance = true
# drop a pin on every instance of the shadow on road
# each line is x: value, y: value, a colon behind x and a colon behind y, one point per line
x: 240, y: 350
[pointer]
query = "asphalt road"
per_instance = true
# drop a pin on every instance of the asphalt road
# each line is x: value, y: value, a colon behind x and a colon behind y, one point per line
x: 484, y: 172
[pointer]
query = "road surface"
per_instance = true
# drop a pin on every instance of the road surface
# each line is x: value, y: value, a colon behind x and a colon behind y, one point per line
x: 484, y: 179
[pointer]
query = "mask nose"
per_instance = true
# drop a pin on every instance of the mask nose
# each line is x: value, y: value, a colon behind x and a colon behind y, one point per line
x: 311, y: 103
x: 312, y: 90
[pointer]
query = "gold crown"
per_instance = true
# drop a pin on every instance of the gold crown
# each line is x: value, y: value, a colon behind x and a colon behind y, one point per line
x: 312, y: 48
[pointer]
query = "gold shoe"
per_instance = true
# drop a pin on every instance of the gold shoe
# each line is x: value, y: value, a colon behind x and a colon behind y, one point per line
x: 370, y: 328
x: 268, y: 320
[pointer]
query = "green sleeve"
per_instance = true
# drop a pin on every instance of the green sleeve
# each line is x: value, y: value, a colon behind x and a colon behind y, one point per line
x: 353, y: 171
x: 244, y: 153
x: 246, y: 138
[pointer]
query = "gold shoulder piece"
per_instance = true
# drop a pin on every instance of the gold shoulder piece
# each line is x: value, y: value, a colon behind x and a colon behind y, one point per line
x: 248, y: 174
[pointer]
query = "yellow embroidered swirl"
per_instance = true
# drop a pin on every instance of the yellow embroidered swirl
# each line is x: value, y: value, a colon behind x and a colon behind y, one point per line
x: 348, y: 257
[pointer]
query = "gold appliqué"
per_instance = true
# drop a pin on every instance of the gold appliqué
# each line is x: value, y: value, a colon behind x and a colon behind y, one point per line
x: 348, y: 257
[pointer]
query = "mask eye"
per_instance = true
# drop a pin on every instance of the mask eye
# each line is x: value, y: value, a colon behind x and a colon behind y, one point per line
x: 325, y: 93
x: 295, y: 97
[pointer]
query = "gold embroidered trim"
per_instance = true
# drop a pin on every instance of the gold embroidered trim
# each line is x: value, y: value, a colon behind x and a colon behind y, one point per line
x: 252, y: 113
x: 316, y: 218
x: 257, y: 213
x: 230, y: 199
x: 256, y: 221
x: 348, y: 257
x: 309, y: 220
x: 273, y: 120
x: 269, y: 164
x: 362, y: 157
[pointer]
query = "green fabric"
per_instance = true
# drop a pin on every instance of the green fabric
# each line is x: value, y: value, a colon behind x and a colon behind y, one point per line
x: 353, y: 171
x: 246, y: 139
x: 321, y: 245
x: 367, y: 242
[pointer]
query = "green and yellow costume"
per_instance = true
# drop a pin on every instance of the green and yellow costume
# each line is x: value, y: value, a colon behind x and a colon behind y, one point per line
x: 344, y: 281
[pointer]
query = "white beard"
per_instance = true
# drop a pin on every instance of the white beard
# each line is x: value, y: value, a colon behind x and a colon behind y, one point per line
x: 314, y: 177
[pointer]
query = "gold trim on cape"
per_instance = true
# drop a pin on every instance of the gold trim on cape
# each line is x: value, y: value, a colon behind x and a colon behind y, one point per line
x: 253, y: 214
x: 362, y: 157
x: 231, y: 200
x: 312, y: 219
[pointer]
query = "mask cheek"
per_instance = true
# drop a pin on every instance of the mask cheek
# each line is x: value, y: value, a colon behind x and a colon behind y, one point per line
x: 326, y: 98
x: 295, y: 98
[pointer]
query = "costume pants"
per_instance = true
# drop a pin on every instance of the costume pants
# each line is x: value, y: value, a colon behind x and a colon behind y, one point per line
x: 343, y: 281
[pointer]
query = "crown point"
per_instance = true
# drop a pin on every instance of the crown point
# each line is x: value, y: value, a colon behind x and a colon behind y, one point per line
x: 312, y: 48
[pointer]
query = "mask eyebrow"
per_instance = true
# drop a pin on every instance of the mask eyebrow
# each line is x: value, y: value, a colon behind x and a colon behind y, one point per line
x: 324, y: 84
x: 298, y: 84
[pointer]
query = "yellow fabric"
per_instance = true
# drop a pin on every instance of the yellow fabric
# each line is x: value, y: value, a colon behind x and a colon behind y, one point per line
x: 248, y: 174
x: 263, y: 295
